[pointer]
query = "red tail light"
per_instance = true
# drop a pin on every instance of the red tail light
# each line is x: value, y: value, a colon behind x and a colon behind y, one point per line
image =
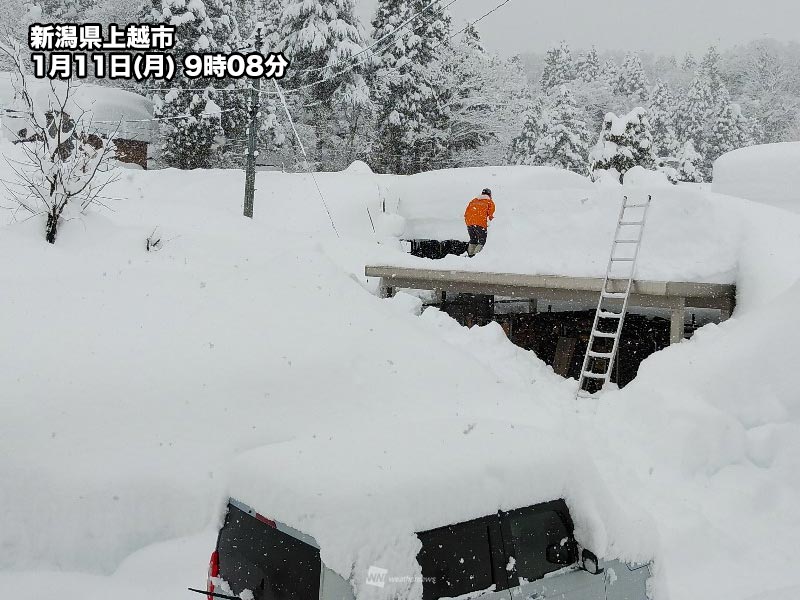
x: 266, y: 521
x: 213, y: 571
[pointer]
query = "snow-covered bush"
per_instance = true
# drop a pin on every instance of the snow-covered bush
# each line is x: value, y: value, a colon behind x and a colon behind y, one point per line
x: 625, y: 141
x: 67, y: 163
x: 689, y: 160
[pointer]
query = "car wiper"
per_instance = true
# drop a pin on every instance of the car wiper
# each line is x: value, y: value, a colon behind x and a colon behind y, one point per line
x: 215, y: 594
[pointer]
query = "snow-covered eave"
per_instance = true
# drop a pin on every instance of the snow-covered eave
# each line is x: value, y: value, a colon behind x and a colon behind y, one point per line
x: 664, y: 294
x: 518, y: 282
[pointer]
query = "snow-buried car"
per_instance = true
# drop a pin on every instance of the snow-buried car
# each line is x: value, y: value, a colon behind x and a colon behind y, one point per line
x: 441, y: 509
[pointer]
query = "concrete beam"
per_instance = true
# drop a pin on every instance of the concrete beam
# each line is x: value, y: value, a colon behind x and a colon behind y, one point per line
x: 677, y: 323
x: 645, y: 294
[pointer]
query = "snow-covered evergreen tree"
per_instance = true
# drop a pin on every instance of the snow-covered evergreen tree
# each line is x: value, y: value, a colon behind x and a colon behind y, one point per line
x: 191, y: 125
x: 589, y: 66
x: 625, y: 142
x: 63, y: 11
x: 689, y: 62
x: 265, y: 14
x: 230, y: 95
x: 609, y: 72
x: 410, y: 93
x: 558, y: 68
x: 631, y: 80
x: 523, y: 147
x: 564, y: 141
x: 663, y: 117
x: 321, y: 39
x: 710, y: 69
x: 694, y: 112
x: 689, y: 163
x: 472, y: 39
x: 485, y: 92
x: 729, y: 131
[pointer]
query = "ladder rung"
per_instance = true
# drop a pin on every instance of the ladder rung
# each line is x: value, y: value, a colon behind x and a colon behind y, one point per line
x: 603, y: 334
x: 604, y: 314
x: 594, y: 354
x: 631, y: 222
x: 626, y: 241
x: 636, y: 205
x: 621, y: 259
x: 591, y: 375
x: 614, y: 294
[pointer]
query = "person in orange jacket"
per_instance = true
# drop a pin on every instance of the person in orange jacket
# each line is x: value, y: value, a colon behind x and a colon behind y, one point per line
x: 479, y: 212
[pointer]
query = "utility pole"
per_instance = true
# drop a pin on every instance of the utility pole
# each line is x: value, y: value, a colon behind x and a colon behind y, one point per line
x: 252, y: 133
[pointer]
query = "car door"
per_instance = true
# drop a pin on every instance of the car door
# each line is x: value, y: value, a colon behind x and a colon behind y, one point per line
x: 527, y: 533
x: 464, y: 560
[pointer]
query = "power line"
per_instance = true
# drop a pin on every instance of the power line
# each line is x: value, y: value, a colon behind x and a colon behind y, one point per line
x: 281, y: 92
x: 302, y: 148
x: 184, y: 116
x: 392, y: 33
x: 350, y: 68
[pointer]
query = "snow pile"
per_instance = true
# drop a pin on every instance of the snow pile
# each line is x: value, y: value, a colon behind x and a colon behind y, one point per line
x: 130, y: 379
x: 640, y: 177
x: 768, y: 173
x: 363, y: 495
x: 433, y: 203
x: 717, y: 420
x: 359, y: 168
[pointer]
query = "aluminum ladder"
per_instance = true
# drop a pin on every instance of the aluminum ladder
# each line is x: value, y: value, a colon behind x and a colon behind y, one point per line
x: 614, y: 295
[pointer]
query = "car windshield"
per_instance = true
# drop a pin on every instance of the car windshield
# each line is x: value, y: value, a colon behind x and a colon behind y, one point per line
x: 273, y: 565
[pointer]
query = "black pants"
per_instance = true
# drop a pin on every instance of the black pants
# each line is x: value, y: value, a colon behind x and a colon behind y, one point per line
x: 477, y: 234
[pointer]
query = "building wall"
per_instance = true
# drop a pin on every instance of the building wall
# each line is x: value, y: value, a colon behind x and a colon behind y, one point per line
x: 132, y: 151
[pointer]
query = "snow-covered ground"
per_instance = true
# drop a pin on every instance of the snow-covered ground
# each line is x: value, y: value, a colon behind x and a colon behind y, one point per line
x: 131, y: 380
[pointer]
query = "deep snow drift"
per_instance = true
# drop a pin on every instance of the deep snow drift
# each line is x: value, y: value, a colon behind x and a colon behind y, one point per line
x: 130, y: 380
x: 363, y: 496
x: 768, y: 174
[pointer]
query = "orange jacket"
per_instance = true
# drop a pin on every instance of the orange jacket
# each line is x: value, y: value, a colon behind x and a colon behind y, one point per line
x: 479, y: 211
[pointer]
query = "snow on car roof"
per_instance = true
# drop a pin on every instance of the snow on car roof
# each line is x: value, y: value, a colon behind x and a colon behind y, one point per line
x: 362, y: 496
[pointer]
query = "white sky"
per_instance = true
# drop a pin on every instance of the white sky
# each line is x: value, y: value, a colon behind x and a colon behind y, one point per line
x: 661, y: 26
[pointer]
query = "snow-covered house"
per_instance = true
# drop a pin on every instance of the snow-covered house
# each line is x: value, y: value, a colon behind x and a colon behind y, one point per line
x: 107, y: 112
x: 548, y: 248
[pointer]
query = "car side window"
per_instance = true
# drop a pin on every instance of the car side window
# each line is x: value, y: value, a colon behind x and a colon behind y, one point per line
x: 456, y: 560
x: 531, y: 531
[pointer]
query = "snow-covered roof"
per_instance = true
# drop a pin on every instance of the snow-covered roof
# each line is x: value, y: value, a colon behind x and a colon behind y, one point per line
x: 554, y: 222
x: 767, y: 173
x: 105, y: 107
x: 363, y: 495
